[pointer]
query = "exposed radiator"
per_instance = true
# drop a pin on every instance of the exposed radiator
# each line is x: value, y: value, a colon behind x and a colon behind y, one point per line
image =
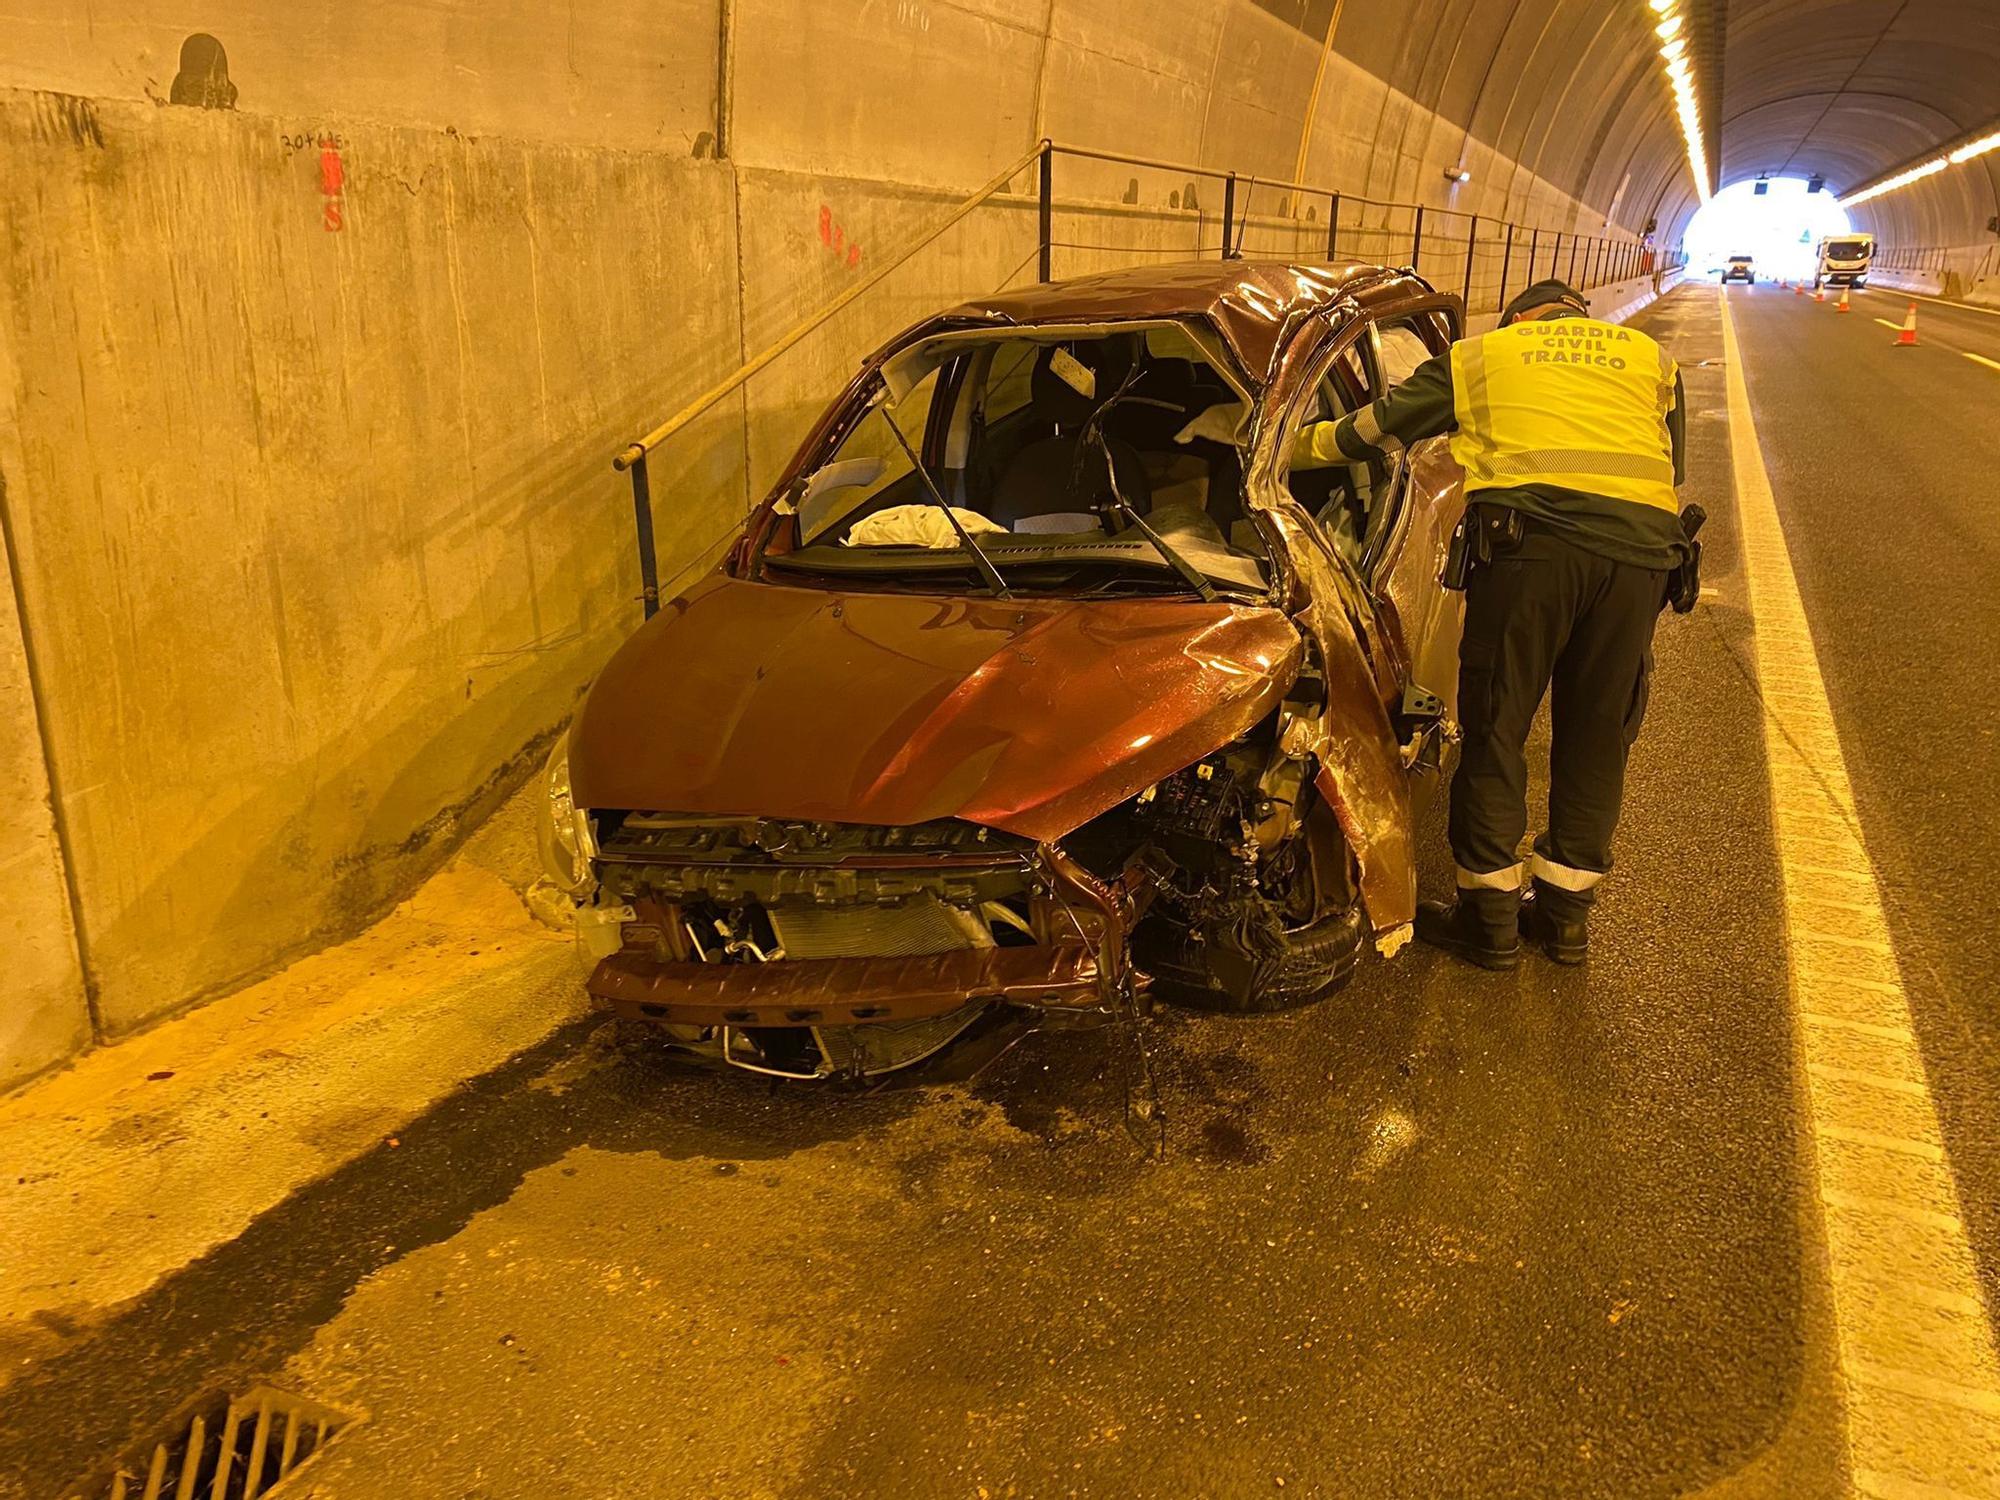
x: 922, y: 924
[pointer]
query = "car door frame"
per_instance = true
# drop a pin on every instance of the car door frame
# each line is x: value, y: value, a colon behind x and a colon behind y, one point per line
x: 1378, y: 559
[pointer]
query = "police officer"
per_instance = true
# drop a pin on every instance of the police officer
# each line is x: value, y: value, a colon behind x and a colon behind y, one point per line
x: 1571, y: 433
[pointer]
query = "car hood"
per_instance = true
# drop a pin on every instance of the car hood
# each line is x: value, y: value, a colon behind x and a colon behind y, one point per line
x: 1027, y: 715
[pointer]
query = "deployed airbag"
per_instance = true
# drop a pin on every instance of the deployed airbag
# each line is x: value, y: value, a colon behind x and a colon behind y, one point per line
x: 917, y: 526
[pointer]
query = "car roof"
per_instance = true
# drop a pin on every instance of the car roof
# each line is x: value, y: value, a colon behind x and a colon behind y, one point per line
x: 1253, y: 304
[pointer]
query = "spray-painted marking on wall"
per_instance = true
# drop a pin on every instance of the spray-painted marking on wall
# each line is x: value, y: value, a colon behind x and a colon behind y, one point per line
x: 332, y: 181
x: 834, y: 237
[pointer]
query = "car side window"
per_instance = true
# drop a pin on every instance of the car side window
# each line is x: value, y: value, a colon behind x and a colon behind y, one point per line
x: 1336, y: 495
x: 1401, y: 347
x: 1345, y: 385
x: 1010, y: 382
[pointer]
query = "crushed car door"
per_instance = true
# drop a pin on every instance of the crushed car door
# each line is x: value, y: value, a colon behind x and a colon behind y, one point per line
x: 1353, y: 738
x: 1406, y: 558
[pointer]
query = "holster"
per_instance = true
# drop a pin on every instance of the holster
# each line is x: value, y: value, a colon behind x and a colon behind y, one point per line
x: 1684, y: 583
x: 1483, y: 532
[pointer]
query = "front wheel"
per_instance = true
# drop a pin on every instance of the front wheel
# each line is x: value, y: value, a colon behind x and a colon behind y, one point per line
x: 1244, y: 973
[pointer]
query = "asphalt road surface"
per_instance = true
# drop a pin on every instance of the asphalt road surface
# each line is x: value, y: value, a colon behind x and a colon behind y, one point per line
x: 1545, y: 1233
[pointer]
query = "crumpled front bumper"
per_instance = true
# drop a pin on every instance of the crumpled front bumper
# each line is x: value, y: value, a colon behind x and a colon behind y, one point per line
x: 848, y: 991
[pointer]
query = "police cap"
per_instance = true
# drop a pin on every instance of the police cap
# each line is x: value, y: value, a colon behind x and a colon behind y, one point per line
x: 1550, y: 293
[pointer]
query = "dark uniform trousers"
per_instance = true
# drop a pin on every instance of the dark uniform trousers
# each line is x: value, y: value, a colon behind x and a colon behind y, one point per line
x: 1548, y: 614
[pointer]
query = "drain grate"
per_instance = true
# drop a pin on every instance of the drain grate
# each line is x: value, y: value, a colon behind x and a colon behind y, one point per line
x: 231, y: 1449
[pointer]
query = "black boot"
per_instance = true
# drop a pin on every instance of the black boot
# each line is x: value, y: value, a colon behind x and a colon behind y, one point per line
x: 1466, y: 931
x: 1564, y: 937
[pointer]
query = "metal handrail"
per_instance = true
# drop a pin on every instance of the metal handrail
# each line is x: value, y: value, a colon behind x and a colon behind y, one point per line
x: 1316, y: 189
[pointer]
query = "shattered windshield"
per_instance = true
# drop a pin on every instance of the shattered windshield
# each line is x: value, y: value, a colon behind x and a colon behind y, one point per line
x: 1064, y: 454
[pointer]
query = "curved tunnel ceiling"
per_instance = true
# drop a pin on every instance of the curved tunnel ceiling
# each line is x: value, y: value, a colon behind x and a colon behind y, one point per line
x: 1854, y: 89
x: 1574, y: 90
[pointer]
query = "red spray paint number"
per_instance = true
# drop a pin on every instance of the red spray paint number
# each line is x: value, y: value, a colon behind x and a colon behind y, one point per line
x: 834, y: 237
x: 332, y: 180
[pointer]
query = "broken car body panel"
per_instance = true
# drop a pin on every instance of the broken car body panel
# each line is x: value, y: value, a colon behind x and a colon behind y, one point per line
x: 1027, y: 715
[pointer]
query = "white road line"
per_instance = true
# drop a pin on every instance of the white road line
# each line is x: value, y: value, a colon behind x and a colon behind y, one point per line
x: 1916, y: 1349
x: 1891, y: 292
x: 1991, y: 364
x: 1887, y: 324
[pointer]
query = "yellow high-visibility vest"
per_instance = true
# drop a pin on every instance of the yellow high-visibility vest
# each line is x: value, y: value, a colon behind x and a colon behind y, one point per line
x: 1570, y: 402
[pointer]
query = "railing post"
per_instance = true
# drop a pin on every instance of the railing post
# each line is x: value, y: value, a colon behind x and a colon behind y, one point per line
x: 1506, y: 264
x: 649, y: 562
x: 1555, y: 255
x: 1333, y: 227
x: 1417, y: 243
x: 1228, y: 211
x: 1045, y: 211
x: 1574, y: 239
x: 1471, y: 244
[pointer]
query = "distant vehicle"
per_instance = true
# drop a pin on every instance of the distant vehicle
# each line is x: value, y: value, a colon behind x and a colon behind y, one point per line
x: 1740, y: 268
x: 1844, y: 260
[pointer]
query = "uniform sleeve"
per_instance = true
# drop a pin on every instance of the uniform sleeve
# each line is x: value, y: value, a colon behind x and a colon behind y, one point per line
x: 1677, y: 428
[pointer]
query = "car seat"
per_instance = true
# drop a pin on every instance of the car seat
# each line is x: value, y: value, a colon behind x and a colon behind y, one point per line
x: 1060, y: 479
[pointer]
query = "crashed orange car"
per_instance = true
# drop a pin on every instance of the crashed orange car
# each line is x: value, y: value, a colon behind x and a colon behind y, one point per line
x: 1041, y: 685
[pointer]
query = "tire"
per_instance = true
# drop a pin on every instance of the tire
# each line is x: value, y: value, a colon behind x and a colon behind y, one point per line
x: 1309, y: 964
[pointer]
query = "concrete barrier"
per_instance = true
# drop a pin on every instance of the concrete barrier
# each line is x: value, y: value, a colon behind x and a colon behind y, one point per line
x: 1952, y: 285
x: 1614, y: 302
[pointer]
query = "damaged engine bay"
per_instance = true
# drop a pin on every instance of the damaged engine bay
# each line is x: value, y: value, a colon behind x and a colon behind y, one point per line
x: 1203, y: 889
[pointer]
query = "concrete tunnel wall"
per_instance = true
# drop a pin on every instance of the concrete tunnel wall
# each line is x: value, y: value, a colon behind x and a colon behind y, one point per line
x: 310, y: 376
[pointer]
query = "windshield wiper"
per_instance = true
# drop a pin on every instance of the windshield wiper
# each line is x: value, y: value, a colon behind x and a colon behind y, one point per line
x: 1094, y: 429
x: 972, y: 549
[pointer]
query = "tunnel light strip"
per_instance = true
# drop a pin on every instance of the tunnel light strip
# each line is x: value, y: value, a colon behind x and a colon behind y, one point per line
x: 1953, y: 158
x: 1680, y: 76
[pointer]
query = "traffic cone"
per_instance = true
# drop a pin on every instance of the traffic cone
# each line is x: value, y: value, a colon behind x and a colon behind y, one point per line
x: 1798, y: 289
x: 1819, y: 294
x: 1907, y: 339
x: 1843, y: 301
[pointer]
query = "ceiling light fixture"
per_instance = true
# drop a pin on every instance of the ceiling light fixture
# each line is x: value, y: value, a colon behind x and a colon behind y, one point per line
x: 1930, y: 168
x: 1680, y: 78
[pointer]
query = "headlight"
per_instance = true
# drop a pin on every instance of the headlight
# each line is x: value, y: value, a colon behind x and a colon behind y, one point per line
x: 564, y: 830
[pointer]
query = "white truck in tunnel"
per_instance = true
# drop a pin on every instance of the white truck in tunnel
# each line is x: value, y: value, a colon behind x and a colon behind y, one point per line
x: 1844, y: 260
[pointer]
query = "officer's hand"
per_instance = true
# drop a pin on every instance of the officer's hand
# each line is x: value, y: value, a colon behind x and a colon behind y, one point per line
x: 1219, y: 424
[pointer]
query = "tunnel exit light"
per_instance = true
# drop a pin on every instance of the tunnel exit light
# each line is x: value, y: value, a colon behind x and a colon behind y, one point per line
x: 1680, y: 77
x: 1955, y: 157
